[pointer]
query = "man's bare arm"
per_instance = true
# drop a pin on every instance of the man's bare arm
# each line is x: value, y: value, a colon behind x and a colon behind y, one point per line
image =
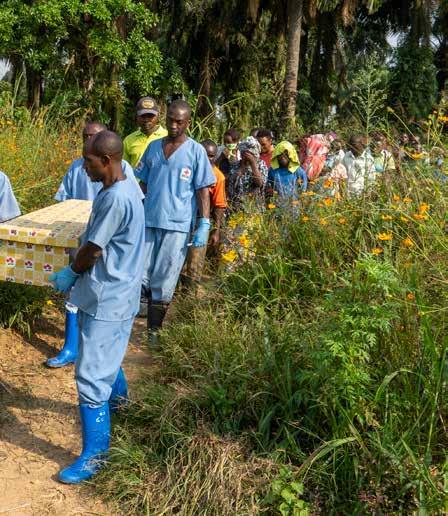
x: 86, y: 257
x: 203, y: 199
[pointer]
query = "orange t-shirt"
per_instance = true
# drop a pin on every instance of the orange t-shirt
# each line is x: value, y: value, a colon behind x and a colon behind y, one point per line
x: 218, y: 190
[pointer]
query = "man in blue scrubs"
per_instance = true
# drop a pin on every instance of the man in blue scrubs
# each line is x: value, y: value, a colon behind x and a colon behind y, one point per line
x: 76, y: 184
x: 9, y: 208
x: 106, y: 276
x: 176, y: 175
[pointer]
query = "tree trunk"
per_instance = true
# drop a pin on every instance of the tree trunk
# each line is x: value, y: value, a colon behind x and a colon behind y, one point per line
x: 34, y: 89
x: 203, y: 108
x: 294, y: 16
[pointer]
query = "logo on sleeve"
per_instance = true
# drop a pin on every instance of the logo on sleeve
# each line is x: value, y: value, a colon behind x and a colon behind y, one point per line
x: 185, y: 174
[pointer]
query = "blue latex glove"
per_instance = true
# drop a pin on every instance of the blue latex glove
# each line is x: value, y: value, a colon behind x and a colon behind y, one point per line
x: 200, y: 237
x: 64, y: 279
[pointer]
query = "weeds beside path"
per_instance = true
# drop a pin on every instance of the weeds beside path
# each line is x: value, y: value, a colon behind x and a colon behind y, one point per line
x: 39, y: 428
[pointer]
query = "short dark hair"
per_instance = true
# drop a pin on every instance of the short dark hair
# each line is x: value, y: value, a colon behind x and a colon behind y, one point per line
x: 97, y: 124
x: 233, y: 133
x: 265, y: 133
x: 182, y: 105
x: 106, y: 143
x: 208, y: 143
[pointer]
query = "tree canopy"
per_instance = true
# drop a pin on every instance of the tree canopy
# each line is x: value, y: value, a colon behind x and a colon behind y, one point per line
x: 256, y: 62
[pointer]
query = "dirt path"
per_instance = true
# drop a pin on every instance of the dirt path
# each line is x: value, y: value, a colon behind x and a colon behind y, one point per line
x: 39, y: 428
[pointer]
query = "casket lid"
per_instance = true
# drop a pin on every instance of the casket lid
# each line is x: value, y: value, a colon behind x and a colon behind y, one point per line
x: 59, y: 225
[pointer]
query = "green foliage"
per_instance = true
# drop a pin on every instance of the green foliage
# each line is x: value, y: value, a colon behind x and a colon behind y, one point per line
x: 20, y: 305
x: 286, y: 495
x: 413, y: 82
x: 368, y: 94
x: 322, y: 356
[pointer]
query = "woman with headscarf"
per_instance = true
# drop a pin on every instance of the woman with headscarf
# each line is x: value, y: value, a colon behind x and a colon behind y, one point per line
x: 249, y: 175
x: 316, y: 148
x: 286, y: 177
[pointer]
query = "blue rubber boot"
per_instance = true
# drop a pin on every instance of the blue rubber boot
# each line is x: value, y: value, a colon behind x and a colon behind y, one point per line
x: 69, y: 351
x: 119, y: 395
x: 95, y: 423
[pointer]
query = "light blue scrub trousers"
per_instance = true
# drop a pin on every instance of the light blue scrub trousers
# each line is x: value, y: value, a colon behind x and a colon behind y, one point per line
x: 102, y: 346
x: 165, y: 253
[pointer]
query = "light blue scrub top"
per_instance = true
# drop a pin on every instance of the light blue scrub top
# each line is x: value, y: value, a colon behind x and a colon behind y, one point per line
x: 170, y: 202
x: 76, y: 184
x: 110, y: 290
x: 9, y: 208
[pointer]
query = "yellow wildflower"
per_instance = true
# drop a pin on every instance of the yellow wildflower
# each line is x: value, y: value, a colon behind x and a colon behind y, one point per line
x: 423, y: 208
x: 309, y: 194
x: 50, y: 302
x: 377, y: 250
x: 410, y: 296
x: 230, y: 256
x: 235, y: 220
x: 396, y: 197
x: 407, y: 199
x: 443, y: 118
x: 342, y: 220
x: 404, y: 219
x: 271, y: 206
x: 295, y: 203
x: 328, y: 183
x: 386, y: 217
x: 305, y: 218
x: 385, y: 236
x: 417, y: 155
x: 407, y: 242
x: 328, y: 201
x: 244, y: 241
x: 323, y: 222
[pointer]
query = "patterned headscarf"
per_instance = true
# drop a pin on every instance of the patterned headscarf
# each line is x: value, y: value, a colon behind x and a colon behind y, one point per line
x: 250, y: 144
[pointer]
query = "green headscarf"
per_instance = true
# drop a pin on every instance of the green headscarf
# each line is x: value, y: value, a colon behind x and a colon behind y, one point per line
x: 294, y: 163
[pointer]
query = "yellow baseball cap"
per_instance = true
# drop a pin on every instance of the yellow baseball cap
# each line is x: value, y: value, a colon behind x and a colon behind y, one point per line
x: 147, y: 105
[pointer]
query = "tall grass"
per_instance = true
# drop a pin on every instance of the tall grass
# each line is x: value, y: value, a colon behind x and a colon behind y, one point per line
x: 35, y: 152
x: 324, y: 355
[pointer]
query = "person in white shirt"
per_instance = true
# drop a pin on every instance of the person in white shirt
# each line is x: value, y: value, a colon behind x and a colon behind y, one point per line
x: 360, y: 166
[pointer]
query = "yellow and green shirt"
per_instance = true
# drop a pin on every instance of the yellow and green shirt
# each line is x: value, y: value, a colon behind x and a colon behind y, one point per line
x: 135, y: 144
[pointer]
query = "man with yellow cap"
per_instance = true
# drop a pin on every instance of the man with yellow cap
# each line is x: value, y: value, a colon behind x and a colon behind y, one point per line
x: 149, y: 130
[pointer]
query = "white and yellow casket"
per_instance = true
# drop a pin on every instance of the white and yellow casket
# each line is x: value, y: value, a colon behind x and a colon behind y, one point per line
x: 35, y: 245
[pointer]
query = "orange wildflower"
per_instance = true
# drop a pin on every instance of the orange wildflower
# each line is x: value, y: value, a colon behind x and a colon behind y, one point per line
x: 419, y: 216
x: 407, y: 242
x: 377, y: 250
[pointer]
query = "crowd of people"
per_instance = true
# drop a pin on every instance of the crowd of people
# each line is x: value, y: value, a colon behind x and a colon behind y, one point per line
x: 160, y: 201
